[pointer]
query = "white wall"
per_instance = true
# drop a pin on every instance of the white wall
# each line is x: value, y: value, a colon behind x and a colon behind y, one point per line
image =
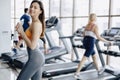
x: 5, y: 26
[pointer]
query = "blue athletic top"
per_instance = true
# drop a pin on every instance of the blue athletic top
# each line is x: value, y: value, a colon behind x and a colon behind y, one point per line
x: 25, y: 18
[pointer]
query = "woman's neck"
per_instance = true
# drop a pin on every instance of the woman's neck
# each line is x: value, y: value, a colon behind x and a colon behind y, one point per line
x: 34, y: 19
x: 91, y: 22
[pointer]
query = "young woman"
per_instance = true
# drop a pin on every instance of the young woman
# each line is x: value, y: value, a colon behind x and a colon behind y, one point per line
x: 90, y: 35
x: 33, y: 68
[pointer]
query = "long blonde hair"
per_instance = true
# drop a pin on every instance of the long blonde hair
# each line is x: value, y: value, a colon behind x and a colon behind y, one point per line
x: 92, y: 17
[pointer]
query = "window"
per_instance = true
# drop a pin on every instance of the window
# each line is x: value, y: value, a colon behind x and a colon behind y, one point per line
x: 80, y: 22
x: 55, y: 8
x: 81, y: 8
x: 100, y: 7
x: 115, y: 22
x: 27, y: 3
x: 66, y: 25
x: 19, y: 8
x: 102, y: 23
x: 115, y: 7
x: 66, y: 8
x: 46, y: 7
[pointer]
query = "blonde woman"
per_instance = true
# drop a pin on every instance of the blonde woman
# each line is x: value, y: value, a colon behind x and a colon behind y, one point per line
x: 90, y: 35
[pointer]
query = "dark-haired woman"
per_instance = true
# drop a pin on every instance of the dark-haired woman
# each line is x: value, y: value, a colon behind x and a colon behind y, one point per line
x: 33, y: 68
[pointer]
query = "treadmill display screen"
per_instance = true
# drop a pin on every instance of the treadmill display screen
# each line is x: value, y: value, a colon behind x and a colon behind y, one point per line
x: 113, y: 32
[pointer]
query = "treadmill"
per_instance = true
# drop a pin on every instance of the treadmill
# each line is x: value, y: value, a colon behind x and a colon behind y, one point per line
x: 56, y: 69
x: 92, y: 74
x: 112, y: 35
x: 53, y: 24
x: 85, y: 75
x: 116, y: 78
x: 55, y: 51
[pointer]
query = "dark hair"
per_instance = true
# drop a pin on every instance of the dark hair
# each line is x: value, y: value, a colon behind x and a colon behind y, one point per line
x: 25, y: 10
x: 41, y: 16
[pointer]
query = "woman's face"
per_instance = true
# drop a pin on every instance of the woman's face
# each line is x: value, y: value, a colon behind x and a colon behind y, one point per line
x: 35, y: 9
x: 95, y: 18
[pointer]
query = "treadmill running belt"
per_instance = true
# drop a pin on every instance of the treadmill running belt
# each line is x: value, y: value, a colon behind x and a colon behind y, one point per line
x: 64, y: 68
x: 86, y: 75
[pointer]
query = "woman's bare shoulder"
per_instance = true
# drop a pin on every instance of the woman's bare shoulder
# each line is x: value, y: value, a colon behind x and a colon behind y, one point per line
x: 36, y: 26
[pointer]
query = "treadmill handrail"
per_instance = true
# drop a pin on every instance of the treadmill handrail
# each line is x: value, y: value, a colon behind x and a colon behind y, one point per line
x: 112, y: 53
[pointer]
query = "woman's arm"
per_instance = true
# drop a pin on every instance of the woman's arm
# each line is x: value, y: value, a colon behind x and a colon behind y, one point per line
x: 36, y: 31
x: 98, y: 35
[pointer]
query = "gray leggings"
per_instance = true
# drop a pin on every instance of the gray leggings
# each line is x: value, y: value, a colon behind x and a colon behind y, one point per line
x: 33, y: 68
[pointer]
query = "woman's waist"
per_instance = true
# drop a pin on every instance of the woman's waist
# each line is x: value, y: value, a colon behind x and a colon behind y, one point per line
x: 90, y: 33
x: 37, y: 47
x: 89, y: 37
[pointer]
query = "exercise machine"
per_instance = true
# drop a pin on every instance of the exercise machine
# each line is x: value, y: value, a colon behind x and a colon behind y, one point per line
x: 113, y: 35
x: 84, y: 75
x: 67, y: 67
x: 92, y: 74
x: 55, y: 51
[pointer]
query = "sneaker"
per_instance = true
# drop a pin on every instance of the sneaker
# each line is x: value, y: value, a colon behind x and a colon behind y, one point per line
x: 77, y: 76
x: 101, y: 71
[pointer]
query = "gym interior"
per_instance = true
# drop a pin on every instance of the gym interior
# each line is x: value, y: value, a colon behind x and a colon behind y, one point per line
x: 65, y: 23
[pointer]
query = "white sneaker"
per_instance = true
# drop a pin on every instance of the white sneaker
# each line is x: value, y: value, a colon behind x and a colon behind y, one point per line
x: 101, y: 71
x: 77, y: 76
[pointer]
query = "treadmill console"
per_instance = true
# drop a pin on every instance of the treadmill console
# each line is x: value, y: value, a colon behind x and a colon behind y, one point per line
x: 111, y: 34
x: 52, y: 21
x: 79, y: 32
